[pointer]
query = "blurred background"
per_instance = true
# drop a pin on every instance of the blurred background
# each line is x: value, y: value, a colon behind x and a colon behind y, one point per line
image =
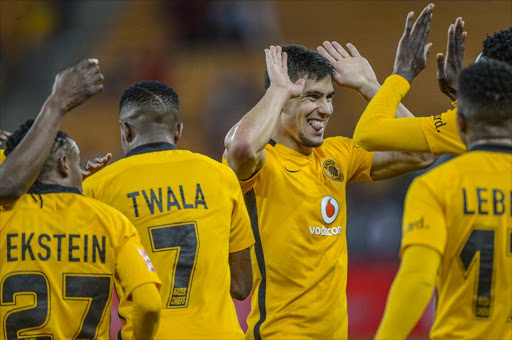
x: 211, y: 52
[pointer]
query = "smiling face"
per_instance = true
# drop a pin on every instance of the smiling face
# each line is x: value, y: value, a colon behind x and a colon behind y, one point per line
x: 303, y: 120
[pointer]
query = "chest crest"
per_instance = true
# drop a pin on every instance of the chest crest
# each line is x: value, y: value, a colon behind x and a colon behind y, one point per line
x: 332, y: 170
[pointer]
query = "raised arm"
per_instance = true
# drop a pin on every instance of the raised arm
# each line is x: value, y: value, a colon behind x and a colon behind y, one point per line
x: 71, y: 88
x: 245, y: 142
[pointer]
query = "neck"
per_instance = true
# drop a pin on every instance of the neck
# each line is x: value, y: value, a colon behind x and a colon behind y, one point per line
x: 285, y: 139
x: 151, y: 139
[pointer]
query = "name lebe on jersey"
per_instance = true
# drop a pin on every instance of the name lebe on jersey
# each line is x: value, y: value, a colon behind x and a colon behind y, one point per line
x: 486, y: 201
x: 62, y: 247
x: 154, y: 198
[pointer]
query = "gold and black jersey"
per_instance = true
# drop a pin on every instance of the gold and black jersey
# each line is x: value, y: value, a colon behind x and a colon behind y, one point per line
x: 463, y: 210
x: 190, y: 214
x: 60, y: 254
x: 298, y: 213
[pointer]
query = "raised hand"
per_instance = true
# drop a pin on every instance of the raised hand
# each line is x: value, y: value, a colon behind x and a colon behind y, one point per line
x: 76, y: 84
x: 351, y: 69
x: 4, y: 136
x: 96, y: 165
x: 277, y: 69
x: 449, y: 68
x: 412, y: 52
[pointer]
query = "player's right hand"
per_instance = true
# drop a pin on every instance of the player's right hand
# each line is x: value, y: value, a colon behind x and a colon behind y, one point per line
x: 412, y: 52
x: 277, y: 69
x: 76, y: 84
x: 449, y: 68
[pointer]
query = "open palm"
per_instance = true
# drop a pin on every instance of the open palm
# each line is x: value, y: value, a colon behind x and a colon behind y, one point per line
x: 352, y: 70
x: 277, y: 68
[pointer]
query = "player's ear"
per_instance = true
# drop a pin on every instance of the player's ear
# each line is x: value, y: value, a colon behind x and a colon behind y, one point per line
x: 126, y: 132
x: 178, y: 132
x: 64, y: 166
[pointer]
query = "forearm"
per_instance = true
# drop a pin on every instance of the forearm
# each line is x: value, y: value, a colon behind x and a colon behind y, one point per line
x: 410, y: 293
x: 146, y: 311
x: 247, y: 139
x: 32, y: 152
x: 391, y: 164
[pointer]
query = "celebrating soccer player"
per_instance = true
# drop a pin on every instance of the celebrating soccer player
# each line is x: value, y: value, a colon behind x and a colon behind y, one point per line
x: 191, y: 216
x: 294, y: 183
x: 62, y: 252
x: 456, y: 227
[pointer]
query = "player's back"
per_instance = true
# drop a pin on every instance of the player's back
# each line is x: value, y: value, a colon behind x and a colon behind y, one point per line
x: 58, y: 264
x: 187, y: 209
x: 475, y: 281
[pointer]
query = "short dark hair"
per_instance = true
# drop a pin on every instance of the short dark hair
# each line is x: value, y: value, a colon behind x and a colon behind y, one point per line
x: 304, y: 63
x: 62, y: 144
x: 153, y: 98
x: 499, y: 46
x: 485, y: 92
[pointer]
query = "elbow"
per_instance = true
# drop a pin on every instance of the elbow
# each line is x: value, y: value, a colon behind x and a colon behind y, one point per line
x: 425, y: 160
x: 8, y: 196
x: 363, y: 139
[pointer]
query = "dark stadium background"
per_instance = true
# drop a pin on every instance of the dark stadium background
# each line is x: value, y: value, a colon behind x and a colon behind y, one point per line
x: 211, y: 52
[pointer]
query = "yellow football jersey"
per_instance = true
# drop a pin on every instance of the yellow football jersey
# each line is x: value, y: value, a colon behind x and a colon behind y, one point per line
x: 2, y: 155
x: 463, y: 209
x: 60, y: 254
x: 298, y: 209
x: 190, y: 213
x: 442, y: 134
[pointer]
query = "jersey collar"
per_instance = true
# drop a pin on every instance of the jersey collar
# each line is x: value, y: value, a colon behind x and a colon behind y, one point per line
x: 492, y: 147
x: 151, y: 147
x: 44, y: 188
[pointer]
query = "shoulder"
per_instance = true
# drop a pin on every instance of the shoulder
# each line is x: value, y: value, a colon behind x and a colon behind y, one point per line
x: 101, y: 209
x: 107, y: 173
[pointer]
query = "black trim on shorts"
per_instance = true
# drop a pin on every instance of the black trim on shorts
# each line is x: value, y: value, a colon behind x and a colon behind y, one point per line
x: 250, y: 202
x: 492, y: 147
x: 151, y: 147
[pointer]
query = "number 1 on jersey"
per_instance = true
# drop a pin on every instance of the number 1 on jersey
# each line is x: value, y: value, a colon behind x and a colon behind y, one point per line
x: 183, y: 239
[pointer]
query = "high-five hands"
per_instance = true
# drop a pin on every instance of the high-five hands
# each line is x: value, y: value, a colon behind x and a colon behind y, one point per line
x: 449, y: 68
x: 412, y: 52
x: 76, y: 84
x: 351, y: 69
x: 277, y: 69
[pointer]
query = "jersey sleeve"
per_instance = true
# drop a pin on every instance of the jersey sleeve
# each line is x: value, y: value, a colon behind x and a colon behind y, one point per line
x: 361, y: 164
x: 2, y: 156
x: 442, y: 134
x: 424, y: 221
x: 241, y: 236
x: 133, y: 266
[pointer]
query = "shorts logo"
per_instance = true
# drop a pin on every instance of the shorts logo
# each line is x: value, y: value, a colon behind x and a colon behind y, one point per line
x: 332, y: 170
x: 146, y: 260
x: 330, y: 209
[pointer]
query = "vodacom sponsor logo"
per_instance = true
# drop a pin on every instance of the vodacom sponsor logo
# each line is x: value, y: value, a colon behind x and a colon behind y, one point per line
x: 330, y: 209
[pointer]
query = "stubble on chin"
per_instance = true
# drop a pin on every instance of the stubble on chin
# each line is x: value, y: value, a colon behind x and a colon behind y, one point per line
x: 307, y: 142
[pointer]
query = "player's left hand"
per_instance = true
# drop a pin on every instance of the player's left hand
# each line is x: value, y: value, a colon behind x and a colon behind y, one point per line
x: 96, y: 165
x: 351, y: 69
x: 4, y: 136
x: 412, y: 52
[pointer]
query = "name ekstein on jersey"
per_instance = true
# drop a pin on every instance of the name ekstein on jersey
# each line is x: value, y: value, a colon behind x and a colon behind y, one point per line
x: 63, y: 247
x: 329, y: 208
x: 154, y: 198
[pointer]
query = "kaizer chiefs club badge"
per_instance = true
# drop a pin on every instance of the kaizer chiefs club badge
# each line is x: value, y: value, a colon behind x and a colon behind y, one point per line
x: 332, y: 170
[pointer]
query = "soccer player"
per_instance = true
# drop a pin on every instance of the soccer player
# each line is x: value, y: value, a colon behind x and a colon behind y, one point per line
x: 72, y: 87
x: 378, y: 130
x: 61, y: 254
x: 190, y: 213
x: 294, y: 183
x: 457, y: 226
